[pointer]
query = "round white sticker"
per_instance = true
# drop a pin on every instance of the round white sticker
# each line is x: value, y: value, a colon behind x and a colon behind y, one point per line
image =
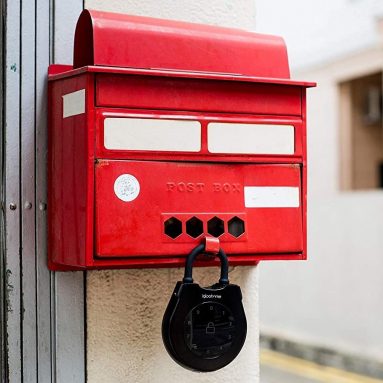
x: 127, y: 187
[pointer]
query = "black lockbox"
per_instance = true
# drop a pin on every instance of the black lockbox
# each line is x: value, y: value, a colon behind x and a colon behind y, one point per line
x: 204, y: 328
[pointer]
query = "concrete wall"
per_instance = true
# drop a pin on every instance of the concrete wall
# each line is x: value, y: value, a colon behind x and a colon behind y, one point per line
x: 335, y: 299
x: 125, y: 308
x: 229, y: 13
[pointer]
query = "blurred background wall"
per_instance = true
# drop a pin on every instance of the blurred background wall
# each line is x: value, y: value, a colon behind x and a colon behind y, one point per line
x: 335, y: 299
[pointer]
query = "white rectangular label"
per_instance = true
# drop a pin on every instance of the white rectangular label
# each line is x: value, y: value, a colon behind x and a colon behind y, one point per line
x: 250, y: 138
x: 152, y: 134
x: 74, y: 103
x: 271, y: 196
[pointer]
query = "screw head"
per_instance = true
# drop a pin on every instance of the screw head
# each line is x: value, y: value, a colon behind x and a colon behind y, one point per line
x: 28, y: 205
x: 12, y: 206
x: 42, y: 206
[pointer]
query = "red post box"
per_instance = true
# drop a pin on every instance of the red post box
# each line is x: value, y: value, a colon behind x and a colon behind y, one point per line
x: 164, y: 132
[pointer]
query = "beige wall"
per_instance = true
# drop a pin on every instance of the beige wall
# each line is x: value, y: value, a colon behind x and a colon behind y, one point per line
x: 229, y: 13
x: 335, y: 299
x: 125, y: 307
x: 124, y: 314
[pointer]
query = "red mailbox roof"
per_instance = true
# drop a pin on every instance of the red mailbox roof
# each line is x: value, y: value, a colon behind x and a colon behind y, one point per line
x: 118, y: 40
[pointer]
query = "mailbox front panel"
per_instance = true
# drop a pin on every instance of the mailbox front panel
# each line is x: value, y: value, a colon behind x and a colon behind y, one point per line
x: 155, y: 208
x: 196, y: 136
x: 140, y: 185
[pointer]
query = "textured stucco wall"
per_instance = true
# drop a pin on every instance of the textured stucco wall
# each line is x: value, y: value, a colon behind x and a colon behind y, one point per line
x: 229, y: 13
x: 124, y: 315
x: 125, y: 307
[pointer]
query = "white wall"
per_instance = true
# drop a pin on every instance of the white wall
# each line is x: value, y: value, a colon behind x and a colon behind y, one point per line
x: 319, y: 31
x: 229, y: 13
x: 125, y: 307
x: 334, y: 299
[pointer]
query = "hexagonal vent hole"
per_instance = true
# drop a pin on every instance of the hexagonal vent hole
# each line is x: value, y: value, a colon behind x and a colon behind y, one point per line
x: 236, y: 226
x: 215, y: 227
x: 173, y: 227
x: 194, y: 227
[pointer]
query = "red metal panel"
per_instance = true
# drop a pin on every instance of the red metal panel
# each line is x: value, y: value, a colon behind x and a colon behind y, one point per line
x: 57, y: 71
x: 204, y: 118
x: 197, y: 95
x: 186, y: 190
x: 145, y: 42
x: 304, y: 171
x: 156, y: 262
x: 70, y: 176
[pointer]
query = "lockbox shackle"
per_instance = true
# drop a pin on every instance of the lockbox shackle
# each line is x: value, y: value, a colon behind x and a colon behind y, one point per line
x: 188, y: 277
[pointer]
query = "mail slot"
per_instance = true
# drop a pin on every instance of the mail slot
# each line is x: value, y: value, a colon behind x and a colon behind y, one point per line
x: 178, y: 132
